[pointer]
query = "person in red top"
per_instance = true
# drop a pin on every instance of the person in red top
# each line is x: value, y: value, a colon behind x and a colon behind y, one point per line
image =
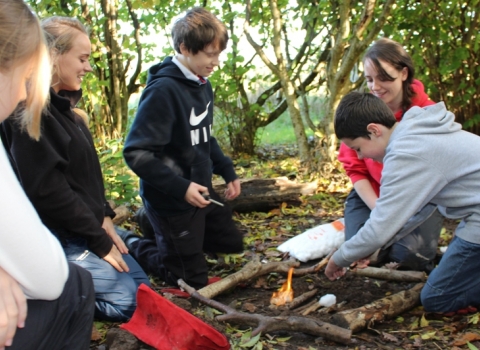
x: 389, y: 73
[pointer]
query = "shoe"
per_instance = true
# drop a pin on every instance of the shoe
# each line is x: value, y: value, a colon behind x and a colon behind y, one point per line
x: 128, y: 237
x: 144, y: 224
x: 465, y: 311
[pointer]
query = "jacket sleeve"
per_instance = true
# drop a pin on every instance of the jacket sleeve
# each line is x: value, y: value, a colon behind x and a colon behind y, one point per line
x: 145, y: 145
x: 403, y: 194
x: 28, y: 251
x: 355, y: 168
x: 222, y: 165
x: 41, y: 167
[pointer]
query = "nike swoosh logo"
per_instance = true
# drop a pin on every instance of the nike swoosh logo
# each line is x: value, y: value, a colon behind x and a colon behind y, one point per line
x: 194, y: 119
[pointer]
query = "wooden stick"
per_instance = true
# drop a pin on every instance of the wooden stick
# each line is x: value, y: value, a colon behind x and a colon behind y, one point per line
x: 314, y: 268
x: 312, y: 308
x: 266, y: 324
x: 390, y: 275
x: 301, y: 299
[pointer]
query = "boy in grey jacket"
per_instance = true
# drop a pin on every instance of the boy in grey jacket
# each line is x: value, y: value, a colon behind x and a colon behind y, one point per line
x: 427, y: 158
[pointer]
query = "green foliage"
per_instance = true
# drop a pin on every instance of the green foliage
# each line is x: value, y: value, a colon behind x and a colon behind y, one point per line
x: 445, y: 47
x: 121, y: 184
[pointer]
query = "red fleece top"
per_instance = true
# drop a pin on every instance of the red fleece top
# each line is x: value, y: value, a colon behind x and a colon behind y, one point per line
x: 358, y: 169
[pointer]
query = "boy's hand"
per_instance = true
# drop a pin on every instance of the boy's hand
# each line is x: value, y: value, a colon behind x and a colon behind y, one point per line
x: 194, y: 196
x: 13, y: 308
x: 333, y: 271
x: 233, y: 190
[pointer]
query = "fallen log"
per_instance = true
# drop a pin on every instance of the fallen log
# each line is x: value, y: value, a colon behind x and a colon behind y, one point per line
x: 266, y: 194
x: 265, y: 324
x: 122, y: 213
x: 390, y: 275
x: 388, y: 307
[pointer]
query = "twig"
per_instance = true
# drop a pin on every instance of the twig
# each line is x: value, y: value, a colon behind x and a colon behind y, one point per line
x: 301, y: 299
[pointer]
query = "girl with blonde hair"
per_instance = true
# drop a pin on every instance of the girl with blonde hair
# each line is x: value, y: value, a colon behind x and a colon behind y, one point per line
x: 45, y: 302
x: 62, y: 177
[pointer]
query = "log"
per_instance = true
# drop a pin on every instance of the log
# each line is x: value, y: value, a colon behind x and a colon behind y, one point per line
x: 390, y: 275
x: 265, y: 324
x: 388, y: 307
x: 121, y: 214
x: 266, y: 194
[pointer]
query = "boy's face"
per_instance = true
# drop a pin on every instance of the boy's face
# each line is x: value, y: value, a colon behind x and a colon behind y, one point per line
x: 374, y: 147
x: 203, y: 62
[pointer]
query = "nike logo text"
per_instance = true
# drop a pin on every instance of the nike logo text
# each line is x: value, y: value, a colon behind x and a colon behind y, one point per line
x: 194, y: 119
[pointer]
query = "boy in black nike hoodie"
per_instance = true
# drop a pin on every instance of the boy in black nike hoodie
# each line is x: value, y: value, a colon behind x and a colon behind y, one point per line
x: 171, y: 148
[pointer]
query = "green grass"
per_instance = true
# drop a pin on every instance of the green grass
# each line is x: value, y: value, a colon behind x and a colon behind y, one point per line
x: 280, y: 132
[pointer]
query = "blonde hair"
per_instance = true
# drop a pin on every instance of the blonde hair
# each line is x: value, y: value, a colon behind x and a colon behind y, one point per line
x: 21, y: 41
x: 61, y: 33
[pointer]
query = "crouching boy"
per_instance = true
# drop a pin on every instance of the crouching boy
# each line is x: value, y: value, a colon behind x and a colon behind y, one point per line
x: 171, y: 148
x: 427, y: 158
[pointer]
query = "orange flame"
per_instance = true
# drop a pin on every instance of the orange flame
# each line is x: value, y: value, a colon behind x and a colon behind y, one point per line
x: 285, y: 293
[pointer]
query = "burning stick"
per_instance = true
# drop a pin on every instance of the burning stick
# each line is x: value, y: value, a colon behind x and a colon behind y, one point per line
x: 285, y: 293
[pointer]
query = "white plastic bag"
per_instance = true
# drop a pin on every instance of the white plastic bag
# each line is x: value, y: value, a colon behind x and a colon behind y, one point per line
x: 316, y: 242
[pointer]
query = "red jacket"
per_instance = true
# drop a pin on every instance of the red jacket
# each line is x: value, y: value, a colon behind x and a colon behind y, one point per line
x: 358, y: 169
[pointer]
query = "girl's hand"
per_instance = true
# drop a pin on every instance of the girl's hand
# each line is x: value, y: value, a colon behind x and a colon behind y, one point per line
x: 13, y: 308
x: 117, y: 240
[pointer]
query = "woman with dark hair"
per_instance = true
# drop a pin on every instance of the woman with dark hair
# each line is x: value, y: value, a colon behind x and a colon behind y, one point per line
x: 389, y: 73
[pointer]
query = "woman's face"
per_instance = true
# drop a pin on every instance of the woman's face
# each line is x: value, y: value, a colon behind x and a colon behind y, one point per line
x: 391, y: 92
x: 71, y: 67
x: 13, y: 88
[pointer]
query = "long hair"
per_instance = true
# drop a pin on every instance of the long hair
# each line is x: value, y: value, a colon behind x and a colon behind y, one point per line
x: 22, y: 41
x: 61, y: 33
x: 393, y: 53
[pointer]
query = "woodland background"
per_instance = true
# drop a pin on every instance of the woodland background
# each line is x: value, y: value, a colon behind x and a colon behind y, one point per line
x: 287, y: 65
x: 286, y: 59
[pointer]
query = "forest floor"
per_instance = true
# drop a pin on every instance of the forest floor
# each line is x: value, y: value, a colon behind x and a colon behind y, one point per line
x: 414, y: 329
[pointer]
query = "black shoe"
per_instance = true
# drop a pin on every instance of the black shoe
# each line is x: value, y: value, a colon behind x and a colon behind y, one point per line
x: 144, y: 224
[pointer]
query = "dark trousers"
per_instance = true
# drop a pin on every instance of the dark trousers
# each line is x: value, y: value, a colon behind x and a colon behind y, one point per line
x: 414, y: 250
x: 64, y: 323
x: 177, y: 251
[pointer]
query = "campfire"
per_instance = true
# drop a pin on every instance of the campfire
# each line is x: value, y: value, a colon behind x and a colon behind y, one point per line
x: 285, y: 293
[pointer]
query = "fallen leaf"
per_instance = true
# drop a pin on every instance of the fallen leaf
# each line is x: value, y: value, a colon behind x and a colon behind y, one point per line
x: 465, y: 338
x: 389, y: 337
x: 249, y: 307
x: 95, y: 334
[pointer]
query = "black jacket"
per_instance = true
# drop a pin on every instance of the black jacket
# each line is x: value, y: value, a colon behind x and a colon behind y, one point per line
x: 170, y: 143
x: 61, y: 173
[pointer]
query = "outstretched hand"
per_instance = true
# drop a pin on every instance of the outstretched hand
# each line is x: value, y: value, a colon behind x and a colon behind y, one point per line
x: 114, y: 258
x: 13, y: 308
x: 194, y: 195
x: 333, y: 271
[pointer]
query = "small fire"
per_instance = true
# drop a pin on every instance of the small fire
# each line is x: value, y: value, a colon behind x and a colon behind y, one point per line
x: 285, y: 293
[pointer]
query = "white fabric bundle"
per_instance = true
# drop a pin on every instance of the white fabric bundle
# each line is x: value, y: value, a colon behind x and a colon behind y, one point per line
x: 316, y: 242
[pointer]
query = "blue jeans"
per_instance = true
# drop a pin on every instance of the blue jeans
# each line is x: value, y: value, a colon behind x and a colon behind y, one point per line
x: 455, y: 283
x: 115, y: 292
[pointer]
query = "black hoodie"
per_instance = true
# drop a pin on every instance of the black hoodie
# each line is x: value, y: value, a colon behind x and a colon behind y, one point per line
x: 61, y: 174
x: 170, y: 143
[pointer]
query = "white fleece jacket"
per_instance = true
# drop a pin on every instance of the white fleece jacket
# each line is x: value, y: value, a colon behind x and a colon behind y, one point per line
x: 429, y: 159
x: 29, y: 252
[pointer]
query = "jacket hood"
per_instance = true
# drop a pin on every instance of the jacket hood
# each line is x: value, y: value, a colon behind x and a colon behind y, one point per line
x: 434, y: 119
x: 167, y: 69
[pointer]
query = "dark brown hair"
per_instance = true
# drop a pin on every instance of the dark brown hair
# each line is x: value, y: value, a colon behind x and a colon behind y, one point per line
x: 198, y: 29
x: 393, y: 53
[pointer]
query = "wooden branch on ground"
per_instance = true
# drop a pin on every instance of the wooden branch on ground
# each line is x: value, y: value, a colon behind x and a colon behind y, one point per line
x: 250, y: 271
x: 266, y: 324
x: 314, y: 268
x: 301, y: 299
x: 390, y: 275
x: 121, y: 214
x: 377, y: 311
x: 266, y: 194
